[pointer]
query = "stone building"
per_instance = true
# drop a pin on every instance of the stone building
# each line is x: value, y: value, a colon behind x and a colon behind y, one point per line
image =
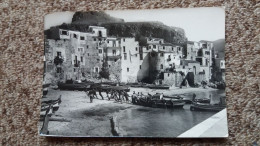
x: 84, y: 54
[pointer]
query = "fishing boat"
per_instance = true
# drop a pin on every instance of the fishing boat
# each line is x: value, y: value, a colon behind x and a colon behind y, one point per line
x: 54, y: 103
x: 198, y: 106
x: 154, y: 101
x: 206, y: 107
x: 158, y: 87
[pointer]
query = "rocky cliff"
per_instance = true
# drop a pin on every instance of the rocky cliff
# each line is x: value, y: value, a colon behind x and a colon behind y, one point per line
x: 119, y: 28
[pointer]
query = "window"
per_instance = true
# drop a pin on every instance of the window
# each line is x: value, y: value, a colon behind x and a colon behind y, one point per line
x: 160, y: 42
x: 172, y: 48
x: 136, y: 49
x: 123, y: 48
x: 168, y: 74
x: 99, y: 33
x: 179, y: 48
x: 95, y: 39
x: 64, y: 32
x: 58, y: 69
x: 96, y: 69
x: 114, y: 52
x: 125, y: 56
x: 74, y: 69
x: 81, y: 59
x: 75, y: 61
x: 140, y: 66
x: 109, y: 65
x: 161, y: 54
x: 207, y: 52
x: 59, y: 54
x: 154, y: 46
x: 82, y: 38
x: 140, y: 49
x: 163, y: 48
x: 169, y: 56
x: 88, y: 54
x: 87, y: 46
x: 123, y: 40
x: 100, y: 51
x: 75, y: 36
x: 161, y: 66
x: 150, y: 47
x: 115, y: 60
x: 141, y: 56
x: 127, y: 69
x: 107, y: 41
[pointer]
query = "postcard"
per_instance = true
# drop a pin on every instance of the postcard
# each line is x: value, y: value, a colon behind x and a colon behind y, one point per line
x: 135, y: 73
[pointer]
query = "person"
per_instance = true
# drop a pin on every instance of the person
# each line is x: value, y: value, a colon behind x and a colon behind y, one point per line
x: 193, y: 97
x: 107, y: 92
x: 91, y: 95
x: 211, y: 100
x: 126, y: 96
x: 133, y: 97
x: 94, y: 93
x: 161, y: 96
x: 99, y: 91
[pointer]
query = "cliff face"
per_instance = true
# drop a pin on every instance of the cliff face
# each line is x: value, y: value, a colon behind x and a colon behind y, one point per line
x: 93, y: 18
x: 145, y: 29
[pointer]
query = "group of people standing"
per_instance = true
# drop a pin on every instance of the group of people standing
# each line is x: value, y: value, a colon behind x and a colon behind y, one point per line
x: 118, y: 95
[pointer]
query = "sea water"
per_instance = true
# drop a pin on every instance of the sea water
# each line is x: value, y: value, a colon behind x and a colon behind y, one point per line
x: 159, y: 122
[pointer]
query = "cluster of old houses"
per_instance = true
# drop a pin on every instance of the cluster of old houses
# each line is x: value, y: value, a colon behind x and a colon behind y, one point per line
x: 83, y: 54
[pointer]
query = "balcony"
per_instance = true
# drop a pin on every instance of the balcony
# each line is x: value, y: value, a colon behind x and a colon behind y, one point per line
x: 113, y: 56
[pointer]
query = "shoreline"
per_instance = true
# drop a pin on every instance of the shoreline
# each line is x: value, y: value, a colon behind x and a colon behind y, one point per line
x: 94, y: 119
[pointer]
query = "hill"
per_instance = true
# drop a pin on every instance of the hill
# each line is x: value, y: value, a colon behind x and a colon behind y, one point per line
x: 119, y: 28
x: 219, y: 47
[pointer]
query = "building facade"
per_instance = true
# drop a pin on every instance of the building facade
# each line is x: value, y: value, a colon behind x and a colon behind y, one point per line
x: 83, y: 54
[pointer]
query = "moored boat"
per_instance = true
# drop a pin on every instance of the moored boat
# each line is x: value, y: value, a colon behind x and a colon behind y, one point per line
x: 206, y: 107
x: 158, y: 87
x: 154, y: 101
x: 199, y: 106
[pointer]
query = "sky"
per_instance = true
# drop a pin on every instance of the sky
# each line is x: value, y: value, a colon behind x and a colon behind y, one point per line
x: 206, y: 23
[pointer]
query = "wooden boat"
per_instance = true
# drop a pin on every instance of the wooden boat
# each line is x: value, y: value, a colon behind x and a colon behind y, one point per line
x: 115, y: 88
x: 158, y: 87
x: 206, y: 107
x: 209, y: 107
x: 157, y: 103
x: 54, y: 103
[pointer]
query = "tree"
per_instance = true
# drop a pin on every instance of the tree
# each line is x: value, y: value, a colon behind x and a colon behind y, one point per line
x: 115, y: 71
x: 104, y: 73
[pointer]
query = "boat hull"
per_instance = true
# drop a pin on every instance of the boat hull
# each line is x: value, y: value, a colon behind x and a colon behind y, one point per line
x: 159, y: 103
x: 207, y: 107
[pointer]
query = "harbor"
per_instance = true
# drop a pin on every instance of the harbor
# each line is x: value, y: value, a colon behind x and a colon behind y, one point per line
x: 83, y: 118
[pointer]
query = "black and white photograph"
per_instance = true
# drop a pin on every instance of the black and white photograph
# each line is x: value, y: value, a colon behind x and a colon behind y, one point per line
x: 135, y: 73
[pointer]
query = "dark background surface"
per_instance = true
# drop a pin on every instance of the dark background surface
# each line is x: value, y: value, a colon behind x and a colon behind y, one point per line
x: 21, y: 68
